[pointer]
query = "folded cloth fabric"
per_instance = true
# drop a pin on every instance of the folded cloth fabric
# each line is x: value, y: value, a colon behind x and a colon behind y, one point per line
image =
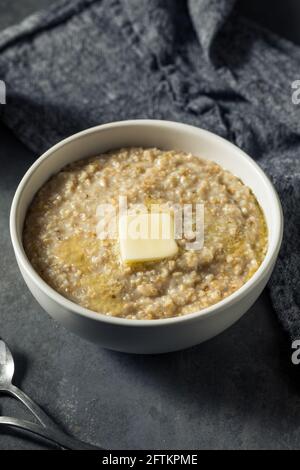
x: 87, y: 62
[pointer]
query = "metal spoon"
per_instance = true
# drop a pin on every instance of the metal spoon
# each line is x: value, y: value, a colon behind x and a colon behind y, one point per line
x: 51, y: 435
x: 47, y: 428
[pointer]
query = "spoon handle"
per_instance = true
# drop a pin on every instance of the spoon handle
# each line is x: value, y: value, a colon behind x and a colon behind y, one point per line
x: 54, y: 436
x: 40, y: 415
x: 48, y: 425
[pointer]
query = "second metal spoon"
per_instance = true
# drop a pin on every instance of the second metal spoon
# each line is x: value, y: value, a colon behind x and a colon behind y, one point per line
x: 47, y: 428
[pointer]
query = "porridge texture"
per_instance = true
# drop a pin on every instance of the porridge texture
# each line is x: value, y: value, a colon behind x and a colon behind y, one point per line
x: 61, y: 242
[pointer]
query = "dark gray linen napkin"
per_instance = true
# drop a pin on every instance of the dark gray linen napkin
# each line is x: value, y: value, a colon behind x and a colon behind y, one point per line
x: 87, y: 62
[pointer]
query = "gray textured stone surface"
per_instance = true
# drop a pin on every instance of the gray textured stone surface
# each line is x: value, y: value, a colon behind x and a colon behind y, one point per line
x: 236, y: 391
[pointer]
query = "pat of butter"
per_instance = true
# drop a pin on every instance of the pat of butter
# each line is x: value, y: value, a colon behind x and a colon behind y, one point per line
x: 146, y: 237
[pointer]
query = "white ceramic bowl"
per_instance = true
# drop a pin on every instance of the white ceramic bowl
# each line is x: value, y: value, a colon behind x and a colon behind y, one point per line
x: 147, y: 336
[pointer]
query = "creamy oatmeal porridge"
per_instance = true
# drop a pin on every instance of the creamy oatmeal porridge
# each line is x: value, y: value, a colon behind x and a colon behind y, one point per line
x: 61, y: 242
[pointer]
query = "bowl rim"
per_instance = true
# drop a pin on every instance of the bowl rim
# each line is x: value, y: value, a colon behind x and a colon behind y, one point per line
x: 214, y: 309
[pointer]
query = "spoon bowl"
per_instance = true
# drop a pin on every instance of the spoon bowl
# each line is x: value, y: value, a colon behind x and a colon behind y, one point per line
x: 7, y: 366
